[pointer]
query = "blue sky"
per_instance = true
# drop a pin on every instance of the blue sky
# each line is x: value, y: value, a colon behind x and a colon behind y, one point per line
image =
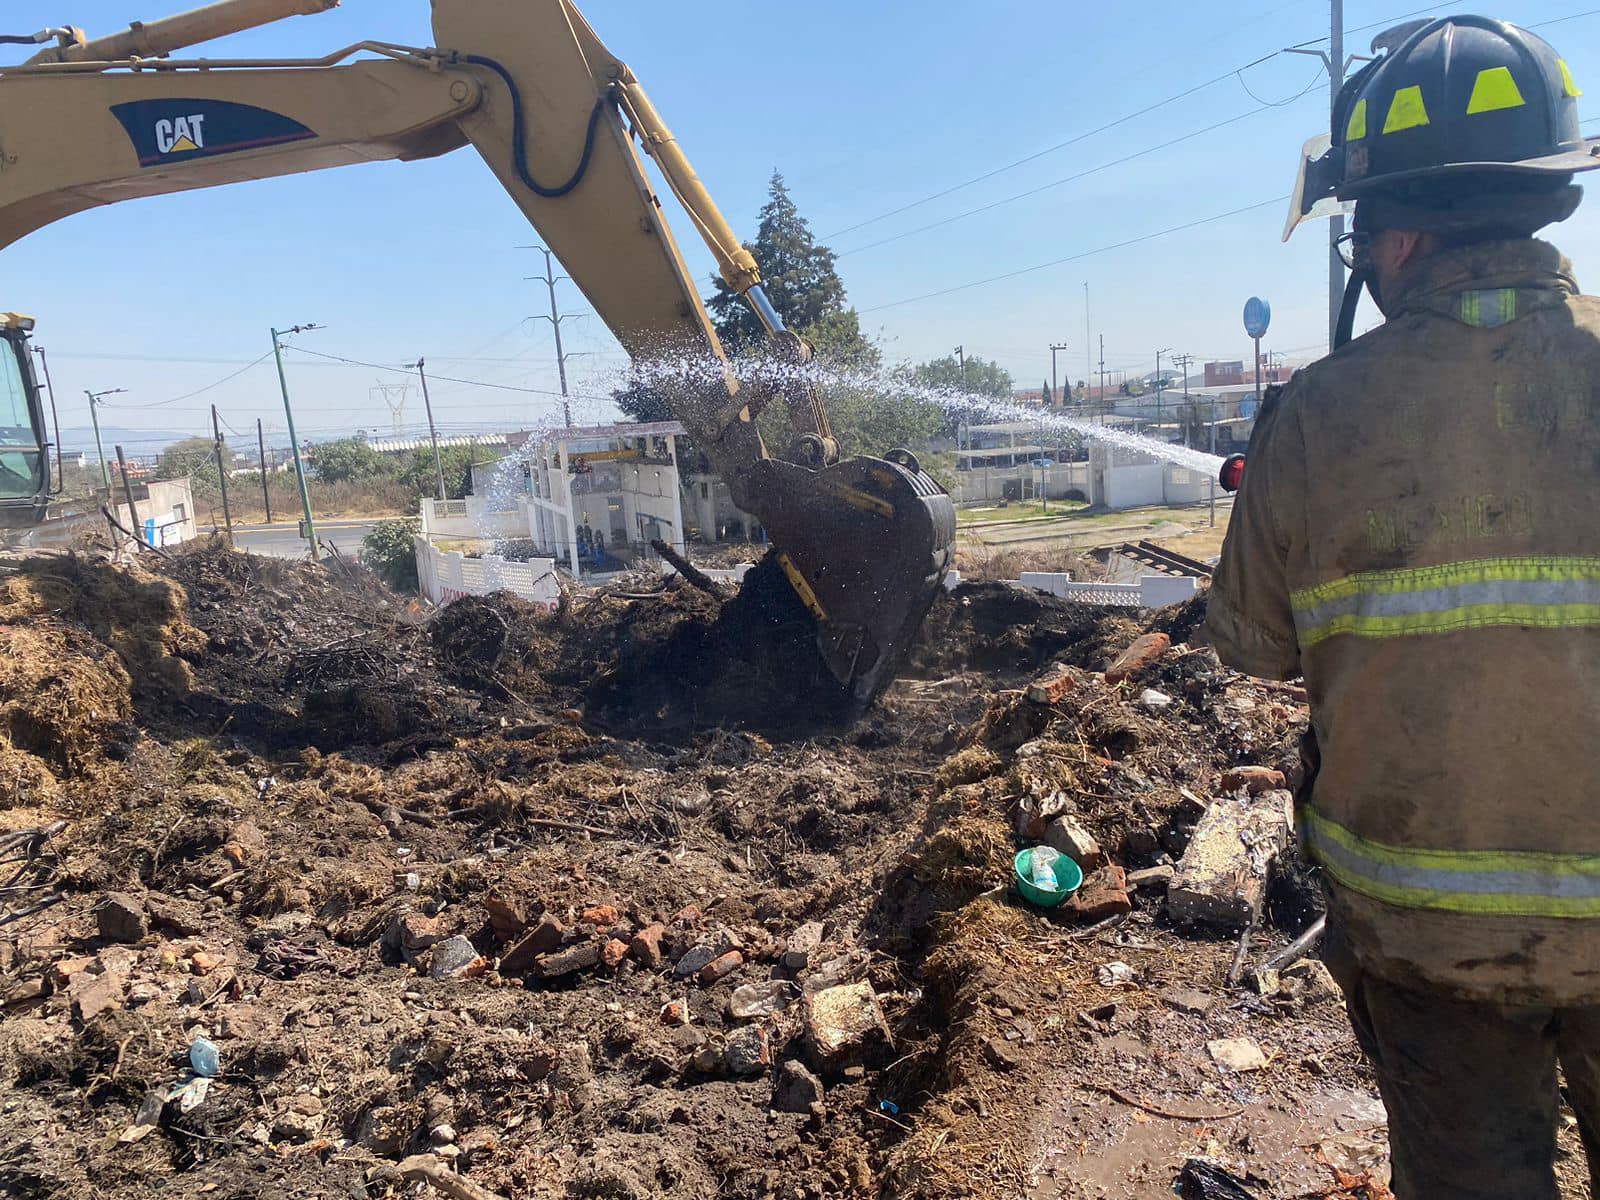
x: 864, y: 107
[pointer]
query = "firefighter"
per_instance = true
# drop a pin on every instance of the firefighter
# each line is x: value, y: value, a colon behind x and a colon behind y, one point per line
x: 1418, y: 535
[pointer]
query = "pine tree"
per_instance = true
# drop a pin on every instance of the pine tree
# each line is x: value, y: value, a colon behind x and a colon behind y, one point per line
x: 1048, y: 393
x: 800, y: 280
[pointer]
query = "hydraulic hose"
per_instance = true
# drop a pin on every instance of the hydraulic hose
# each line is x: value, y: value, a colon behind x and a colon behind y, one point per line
x: 519, y: 148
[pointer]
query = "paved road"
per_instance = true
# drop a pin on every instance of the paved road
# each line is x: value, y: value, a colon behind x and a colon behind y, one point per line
x: 284, y: 540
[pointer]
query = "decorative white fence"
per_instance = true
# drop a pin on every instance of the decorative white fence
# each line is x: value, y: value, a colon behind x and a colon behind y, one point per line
x: 1152, y: 591
x: 444, y: 576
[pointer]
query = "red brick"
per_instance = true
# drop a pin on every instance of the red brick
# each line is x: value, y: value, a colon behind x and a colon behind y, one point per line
x: 1053, y: 684
x: 646, y: 945
x: 1146, y: 648
x: 1254, y: 779
x: 1103, y: 894
x: 720, y: 967
x: 601, y: 916
x: 689, y: 914
x: 613, y: 952
x: 543, y: 938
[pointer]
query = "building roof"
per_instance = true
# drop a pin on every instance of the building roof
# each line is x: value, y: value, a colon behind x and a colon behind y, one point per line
x: 624, y: 429
x: 399, y: 445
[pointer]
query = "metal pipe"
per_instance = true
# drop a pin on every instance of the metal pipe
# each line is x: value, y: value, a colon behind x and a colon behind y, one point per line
x: 757, y: 296
x: 141, y: 40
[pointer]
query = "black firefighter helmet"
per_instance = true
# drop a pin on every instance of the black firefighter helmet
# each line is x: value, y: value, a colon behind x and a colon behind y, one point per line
x: 1463, y: 122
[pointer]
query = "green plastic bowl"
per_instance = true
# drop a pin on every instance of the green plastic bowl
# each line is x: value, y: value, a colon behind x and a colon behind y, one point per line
x: 1068, y: 874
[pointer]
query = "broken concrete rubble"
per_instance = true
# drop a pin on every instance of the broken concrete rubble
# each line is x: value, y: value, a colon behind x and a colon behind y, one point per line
x: 543, y: 938
x: 1222, y: 876
x: 1067, y: 834
x: 121, y: 917
x: 840, y: 1021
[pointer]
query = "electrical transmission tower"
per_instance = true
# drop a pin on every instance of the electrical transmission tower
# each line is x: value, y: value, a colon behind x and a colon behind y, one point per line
x: 394, y: 395
x: 550, y: 279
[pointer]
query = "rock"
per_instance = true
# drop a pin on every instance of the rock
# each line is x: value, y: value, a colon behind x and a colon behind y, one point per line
x: 1000, y: 1054
x: 1030, y: 814
x: 95, y: 994
x: 121, y: 917
x: 1254, y: 780
x: 64, y: 969
x: 24, y: 991
x: 1222, y: 877
x: 694, y: 960
x: 508, y: 916
x: 442, y: 1134
x: 142, y: 992
x: 1151, y: 877
x: 1236, y: 1054
x: 1053, y: 684
x: 307, y: 1104
x: 689, y: 914
x: 613, y: 952
x: 566, y: 962
x: 748, y: 1050
x: 762, y: 999
x: 1310, y: 982
x: 386, y: 1131
x: 184, y: 918
x: 1145, y: 649
x: 245, y: 842
x: 1189, y: 1000
x: 1067, y: 835
x: 838, y: 1021
x: 646, y: 945
x: 203, y: 962
x: 798, y: 1090
x: 1104, y: 894
x: 797, y: 950
x: 410, y: 933
x: 675, y: 1012
x: 454, y: 958
x: 294, y: 1126
x: 719, y: 968
x: 544, y: 938
x: 1153, y: 700
x: 601, y: 916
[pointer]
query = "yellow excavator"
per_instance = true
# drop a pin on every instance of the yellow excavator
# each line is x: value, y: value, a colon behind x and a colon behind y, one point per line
x: 561, y: 121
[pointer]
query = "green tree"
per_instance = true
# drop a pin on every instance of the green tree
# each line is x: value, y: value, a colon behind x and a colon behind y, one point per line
x: 194, y: 457
x: 420, y: 477
x: 348, y: 458
x: 641, y: 402
x: 390, y: 551
x: 1048, y: 395
x: 802, y: 282
x: 983, y: 377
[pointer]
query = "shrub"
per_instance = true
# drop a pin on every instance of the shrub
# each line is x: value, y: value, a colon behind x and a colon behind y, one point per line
x: 391, y: 551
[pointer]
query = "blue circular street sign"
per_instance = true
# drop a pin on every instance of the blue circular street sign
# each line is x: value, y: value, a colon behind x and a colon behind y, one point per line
x: 1257, y: 316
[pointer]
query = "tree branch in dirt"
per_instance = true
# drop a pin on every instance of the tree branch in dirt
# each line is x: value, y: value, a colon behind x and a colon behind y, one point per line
x: 427, y: 1168
x: 686, y: 568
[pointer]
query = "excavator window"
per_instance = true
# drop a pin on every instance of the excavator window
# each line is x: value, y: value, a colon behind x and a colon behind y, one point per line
x: 22, y: 460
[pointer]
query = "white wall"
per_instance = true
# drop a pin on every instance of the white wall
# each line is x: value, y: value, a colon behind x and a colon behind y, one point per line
x: 474, y: 517
x: 444, y: 576
x: 1152, y: 591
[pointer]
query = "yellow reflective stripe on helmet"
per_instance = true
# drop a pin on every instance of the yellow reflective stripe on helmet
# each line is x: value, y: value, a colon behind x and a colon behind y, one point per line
x: 1535, y: 593
x: 1501, y: 883
x: 1357, y: 128
x: 1568, y: 85
x: 1406, y: 111
x: 1495, y: 89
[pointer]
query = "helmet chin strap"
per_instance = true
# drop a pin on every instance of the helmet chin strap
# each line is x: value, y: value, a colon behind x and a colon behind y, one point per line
x: 1359, y: 278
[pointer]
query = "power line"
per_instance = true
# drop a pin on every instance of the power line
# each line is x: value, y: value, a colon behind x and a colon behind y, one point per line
x: 1593, y: 12
x: 199, y: 390
x: 1056, y: 262
x: 1072, y: 141
x: 504, y: 387
x: 1034, y: 191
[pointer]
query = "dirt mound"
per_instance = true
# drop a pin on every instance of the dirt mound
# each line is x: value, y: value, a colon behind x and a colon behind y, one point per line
x: 749, y: 661
x: 993, y: 626
x: 64, y: 695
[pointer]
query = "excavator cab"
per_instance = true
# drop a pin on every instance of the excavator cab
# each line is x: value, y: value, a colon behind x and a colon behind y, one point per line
x: 24, y: 461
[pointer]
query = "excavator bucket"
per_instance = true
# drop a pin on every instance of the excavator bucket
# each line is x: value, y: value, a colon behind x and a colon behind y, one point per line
x: 866, y: 543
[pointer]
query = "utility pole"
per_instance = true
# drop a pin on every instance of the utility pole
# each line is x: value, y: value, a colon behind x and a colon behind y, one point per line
x: 550, y: 279
x: 94, y: 417
x: 1054, y: 387
x: 127, y: 490
x: 1335, y: 62
x: 294, y: 441
x: 1159, y: 389
x: 261, y: 445
x: 50, y: 389
x: 222, y: 472
x: 961, y: 357
x: 1088, y: 353
x: 1183, y: 361
x: 1102, y: 378
x: 433, y: 434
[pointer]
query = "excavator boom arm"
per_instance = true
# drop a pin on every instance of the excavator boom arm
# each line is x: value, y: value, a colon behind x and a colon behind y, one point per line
x: 560, y: 122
